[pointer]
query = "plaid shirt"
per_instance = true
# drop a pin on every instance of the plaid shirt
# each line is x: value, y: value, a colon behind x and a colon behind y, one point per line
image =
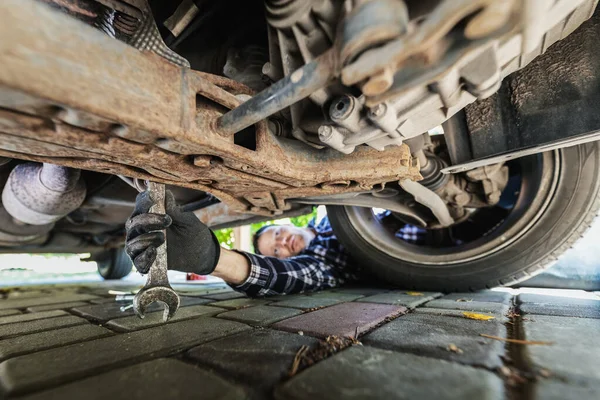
x: 323, y: 264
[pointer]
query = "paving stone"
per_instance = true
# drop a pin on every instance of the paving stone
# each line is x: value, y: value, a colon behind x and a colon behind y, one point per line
x: 33, y: 316
x: 429, y: 335
x: 26, y: 294
x: 157, y: 379
x: 475, y: 306
x: 339, y: 296
x: 105, y: 300
x: 260, y: 315
x: 575, y: 352
x: 39, y: 325
x: 4, y: 313
x: 59, y: 306
x: 45, y: 340
x: 106, y: 312
x: 134, y: 322
x: 401, y: 298
x: 488, y: 296
x: 551, y: 390
x: 344, y: 319
x: 498, y: 315
x: 559, y: 306
x: 363, y: 291
x: 110, y: 310
x: 41, y: 301
x: 235, y: 304
x: 259, y: 359
x: 52, y: 367
x: 225, y: 296
x: 368, y: 373
x: 305, y: 302
x: 186, y: 301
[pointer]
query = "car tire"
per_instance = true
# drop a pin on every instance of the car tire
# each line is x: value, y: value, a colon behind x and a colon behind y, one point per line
x: 567, y: 215
x: 114, y: 264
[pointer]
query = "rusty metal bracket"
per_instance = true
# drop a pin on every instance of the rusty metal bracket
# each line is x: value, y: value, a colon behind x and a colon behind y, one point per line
x: 72, y: 96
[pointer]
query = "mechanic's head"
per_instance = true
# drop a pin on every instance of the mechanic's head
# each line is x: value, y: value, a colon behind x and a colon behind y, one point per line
x: 282, y: 241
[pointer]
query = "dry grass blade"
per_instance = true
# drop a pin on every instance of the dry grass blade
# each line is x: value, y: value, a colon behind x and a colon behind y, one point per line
x: 297, y: 359
x: 305, y: 357
x: 517, y: 341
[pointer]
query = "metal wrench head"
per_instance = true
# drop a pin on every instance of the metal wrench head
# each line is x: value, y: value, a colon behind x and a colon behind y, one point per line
x: 162, y: 294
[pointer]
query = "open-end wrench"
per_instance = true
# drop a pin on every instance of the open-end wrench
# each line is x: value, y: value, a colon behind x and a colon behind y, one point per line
x: 157, y: 288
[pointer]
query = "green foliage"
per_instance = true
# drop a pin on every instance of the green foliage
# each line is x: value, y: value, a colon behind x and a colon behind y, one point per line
x: 225, y: 237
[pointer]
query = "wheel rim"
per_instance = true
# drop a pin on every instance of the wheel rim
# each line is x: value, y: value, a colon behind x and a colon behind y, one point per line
x: 540, y: 175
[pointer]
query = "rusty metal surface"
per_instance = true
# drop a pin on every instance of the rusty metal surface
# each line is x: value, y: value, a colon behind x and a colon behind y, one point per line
x: 71, y: 96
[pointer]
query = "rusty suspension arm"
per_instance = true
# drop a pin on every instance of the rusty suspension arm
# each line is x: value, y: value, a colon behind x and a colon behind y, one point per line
x: 70, y: 95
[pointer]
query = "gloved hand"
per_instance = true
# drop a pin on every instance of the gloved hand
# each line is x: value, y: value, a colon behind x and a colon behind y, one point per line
x: 191, y: 246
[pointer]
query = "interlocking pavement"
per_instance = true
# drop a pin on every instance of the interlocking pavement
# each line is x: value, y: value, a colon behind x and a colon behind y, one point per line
x: 76, y: 341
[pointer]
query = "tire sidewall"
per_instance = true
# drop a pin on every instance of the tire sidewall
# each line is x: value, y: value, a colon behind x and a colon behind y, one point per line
x: 576, y: 192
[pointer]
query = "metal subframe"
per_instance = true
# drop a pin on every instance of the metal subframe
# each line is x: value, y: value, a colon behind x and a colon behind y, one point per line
x: 71, y: 96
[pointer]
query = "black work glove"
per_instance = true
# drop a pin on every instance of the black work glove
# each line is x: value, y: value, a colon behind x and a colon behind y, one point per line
x: 191, y: 246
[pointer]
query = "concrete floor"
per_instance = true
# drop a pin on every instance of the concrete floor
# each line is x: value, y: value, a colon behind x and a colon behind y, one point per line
x: 75, y: 341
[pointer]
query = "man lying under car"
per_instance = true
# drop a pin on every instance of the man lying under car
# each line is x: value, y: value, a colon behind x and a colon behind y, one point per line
x: 288, y: 259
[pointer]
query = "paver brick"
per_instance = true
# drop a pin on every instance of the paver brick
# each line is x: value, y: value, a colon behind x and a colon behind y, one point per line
x: 157, y: 379
x: 26, y: 294
x: 575, y: 352
x: 339, y: 296
x: 225, y: 296
x: 487, y: 296
x: 134, y: 322
x: 401, y: 298
x: 108, y: 311
x: 32, y: 316
x: 546, y: 389
x: 559, y: 306
x: 40, y: 301
x: 260, y: 315
x: 498, y: 315
x: 475, y: 306
x: 39, y: 325
x: 359, y: 290
x: 344, y: 319
x: 45, y: 340
x: 305, y: 302
x: 51, y: 367
x: 260, y: 358
x: 368, y: 373
x: 430, y: 335
x: 4, y: 313
x: 104, y: 300
x: 58, y: 306
x: 235, y: 304
x: 112, y: 310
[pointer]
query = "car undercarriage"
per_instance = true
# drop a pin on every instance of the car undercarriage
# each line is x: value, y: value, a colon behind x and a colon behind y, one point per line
x: 475, y: 120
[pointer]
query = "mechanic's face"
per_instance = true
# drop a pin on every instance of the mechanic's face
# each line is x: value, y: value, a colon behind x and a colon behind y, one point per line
x: 283, y: 241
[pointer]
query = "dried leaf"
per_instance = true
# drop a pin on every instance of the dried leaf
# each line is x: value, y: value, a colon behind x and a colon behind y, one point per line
x: 414, y: 293
x: 454, y: 348
x: 477, y: 316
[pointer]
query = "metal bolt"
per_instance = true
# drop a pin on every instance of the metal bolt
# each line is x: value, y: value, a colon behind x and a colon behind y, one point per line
x: 325, y: 133
x: 378, y: 110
